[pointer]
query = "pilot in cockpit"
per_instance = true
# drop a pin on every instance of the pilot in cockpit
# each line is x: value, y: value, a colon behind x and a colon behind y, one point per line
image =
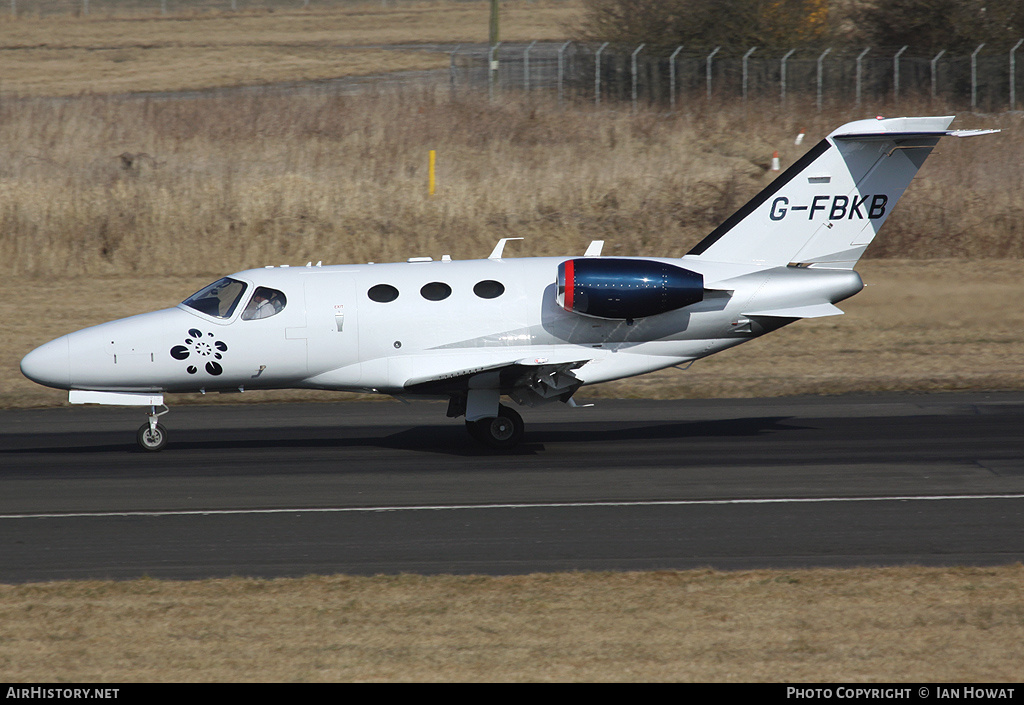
x: 262, y: 306
x: 265, y: 302
x: 259, y: 307
x: 277, y: 301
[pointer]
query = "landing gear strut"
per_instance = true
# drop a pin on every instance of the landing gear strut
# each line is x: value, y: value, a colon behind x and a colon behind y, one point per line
x: 502, y: 432
x: 152, y: 436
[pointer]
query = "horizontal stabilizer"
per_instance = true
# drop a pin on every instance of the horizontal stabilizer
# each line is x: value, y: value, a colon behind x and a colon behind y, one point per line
x: 812, y: 311
x: 971, y: 133
x: 896, y: 136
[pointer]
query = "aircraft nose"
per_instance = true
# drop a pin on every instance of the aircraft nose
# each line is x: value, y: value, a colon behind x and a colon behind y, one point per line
x: 49, y: 364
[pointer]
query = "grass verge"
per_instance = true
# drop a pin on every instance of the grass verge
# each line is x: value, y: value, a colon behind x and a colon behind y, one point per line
x: 909, y: 624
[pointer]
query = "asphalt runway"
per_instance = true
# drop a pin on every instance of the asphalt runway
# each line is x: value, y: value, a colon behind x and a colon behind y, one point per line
x: 380, y: 487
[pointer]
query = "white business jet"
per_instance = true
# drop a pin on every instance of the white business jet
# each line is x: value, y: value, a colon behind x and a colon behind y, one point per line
x: 534, y: 330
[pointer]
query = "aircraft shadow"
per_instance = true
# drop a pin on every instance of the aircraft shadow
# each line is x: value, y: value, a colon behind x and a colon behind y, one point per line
x: 447, y: 440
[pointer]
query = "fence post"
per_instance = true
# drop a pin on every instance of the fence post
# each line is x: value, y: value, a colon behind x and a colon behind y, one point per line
x: 896, y: 74
x: 974, y: 77
x: 451, y: 67
x: 526, y: 66
x: 746, y: 58
x: 632, y: 66
x: 1013, y: 75
x: 494, y: 25
x: 860, y: 59
x: 820, y: 74
x: 492, y: 70
x: 672, y: 77
x: 561, y: 68
x: 708, y: 69
x: 597, y: 74
x: 782, y: 76
x: 935, y: 79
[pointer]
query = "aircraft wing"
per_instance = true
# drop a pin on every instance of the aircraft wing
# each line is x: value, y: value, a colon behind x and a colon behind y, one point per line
x: 530, y: 381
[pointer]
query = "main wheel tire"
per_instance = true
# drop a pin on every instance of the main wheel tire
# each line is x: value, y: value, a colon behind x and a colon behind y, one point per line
x: 502, y: 432
x: 150, y: 439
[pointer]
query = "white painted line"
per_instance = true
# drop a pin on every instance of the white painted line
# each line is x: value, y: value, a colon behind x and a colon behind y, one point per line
x: 538, y: 505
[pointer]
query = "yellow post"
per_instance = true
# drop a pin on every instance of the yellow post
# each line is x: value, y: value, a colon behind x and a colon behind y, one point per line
x: 433, y: 156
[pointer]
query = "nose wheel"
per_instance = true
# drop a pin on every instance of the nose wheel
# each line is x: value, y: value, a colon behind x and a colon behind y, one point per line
x: 152, y: 436
x: 151, y: 439
x: 502, y: 432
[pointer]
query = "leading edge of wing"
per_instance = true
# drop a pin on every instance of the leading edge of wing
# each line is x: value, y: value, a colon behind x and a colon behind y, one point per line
x: 502, y: 375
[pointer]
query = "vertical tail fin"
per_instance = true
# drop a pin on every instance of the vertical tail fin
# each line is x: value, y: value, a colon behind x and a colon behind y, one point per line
x: 827, y: 207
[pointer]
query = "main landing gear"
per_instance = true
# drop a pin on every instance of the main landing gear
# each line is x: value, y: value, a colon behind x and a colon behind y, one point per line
x: 152, y: 436
x: 502, y: 432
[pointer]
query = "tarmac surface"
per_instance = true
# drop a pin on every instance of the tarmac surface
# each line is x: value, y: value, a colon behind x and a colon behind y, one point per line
x: 364, y: 488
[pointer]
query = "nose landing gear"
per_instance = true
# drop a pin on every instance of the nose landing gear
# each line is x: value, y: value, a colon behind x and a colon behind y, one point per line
x: 152, y: 436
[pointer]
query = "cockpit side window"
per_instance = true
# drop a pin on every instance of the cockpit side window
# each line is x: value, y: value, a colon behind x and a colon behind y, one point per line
x: 265, y: 302
x: 218, y: 299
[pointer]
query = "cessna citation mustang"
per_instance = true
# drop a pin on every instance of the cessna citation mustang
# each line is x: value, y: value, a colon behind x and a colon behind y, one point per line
x: 532, y: 329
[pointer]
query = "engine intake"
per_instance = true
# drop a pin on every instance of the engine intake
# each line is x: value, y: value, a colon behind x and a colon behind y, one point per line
x: 624, y: 289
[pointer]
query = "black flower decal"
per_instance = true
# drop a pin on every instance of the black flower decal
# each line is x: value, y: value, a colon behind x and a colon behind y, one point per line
x: 202, y: 346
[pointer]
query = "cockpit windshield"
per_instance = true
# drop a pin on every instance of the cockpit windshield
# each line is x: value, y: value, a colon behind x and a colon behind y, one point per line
x: 218, y: 299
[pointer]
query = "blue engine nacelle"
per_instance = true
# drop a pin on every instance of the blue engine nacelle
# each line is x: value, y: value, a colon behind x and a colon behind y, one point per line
x: 625, y: 289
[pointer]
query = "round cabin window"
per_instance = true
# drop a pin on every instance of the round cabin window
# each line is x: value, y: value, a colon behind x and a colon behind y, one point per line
x: 382, y: 293
x: 489, y: 289
x: 436, y: 291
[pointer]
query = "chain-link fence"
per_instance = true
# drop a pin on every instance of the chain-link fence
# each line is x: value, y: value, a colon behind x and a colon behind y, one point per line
x: 989, y: 79
x: 984, y: 81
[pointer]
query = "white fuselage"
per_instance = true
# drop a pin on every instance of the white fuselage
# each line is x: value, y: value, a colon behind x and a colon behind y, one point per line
x: 332, y: 335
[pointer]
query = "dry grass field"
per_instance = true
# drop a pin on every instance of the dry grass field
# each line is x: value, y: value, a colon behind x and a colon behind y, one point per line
x: 882, y: 625
x: 105, y: 186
